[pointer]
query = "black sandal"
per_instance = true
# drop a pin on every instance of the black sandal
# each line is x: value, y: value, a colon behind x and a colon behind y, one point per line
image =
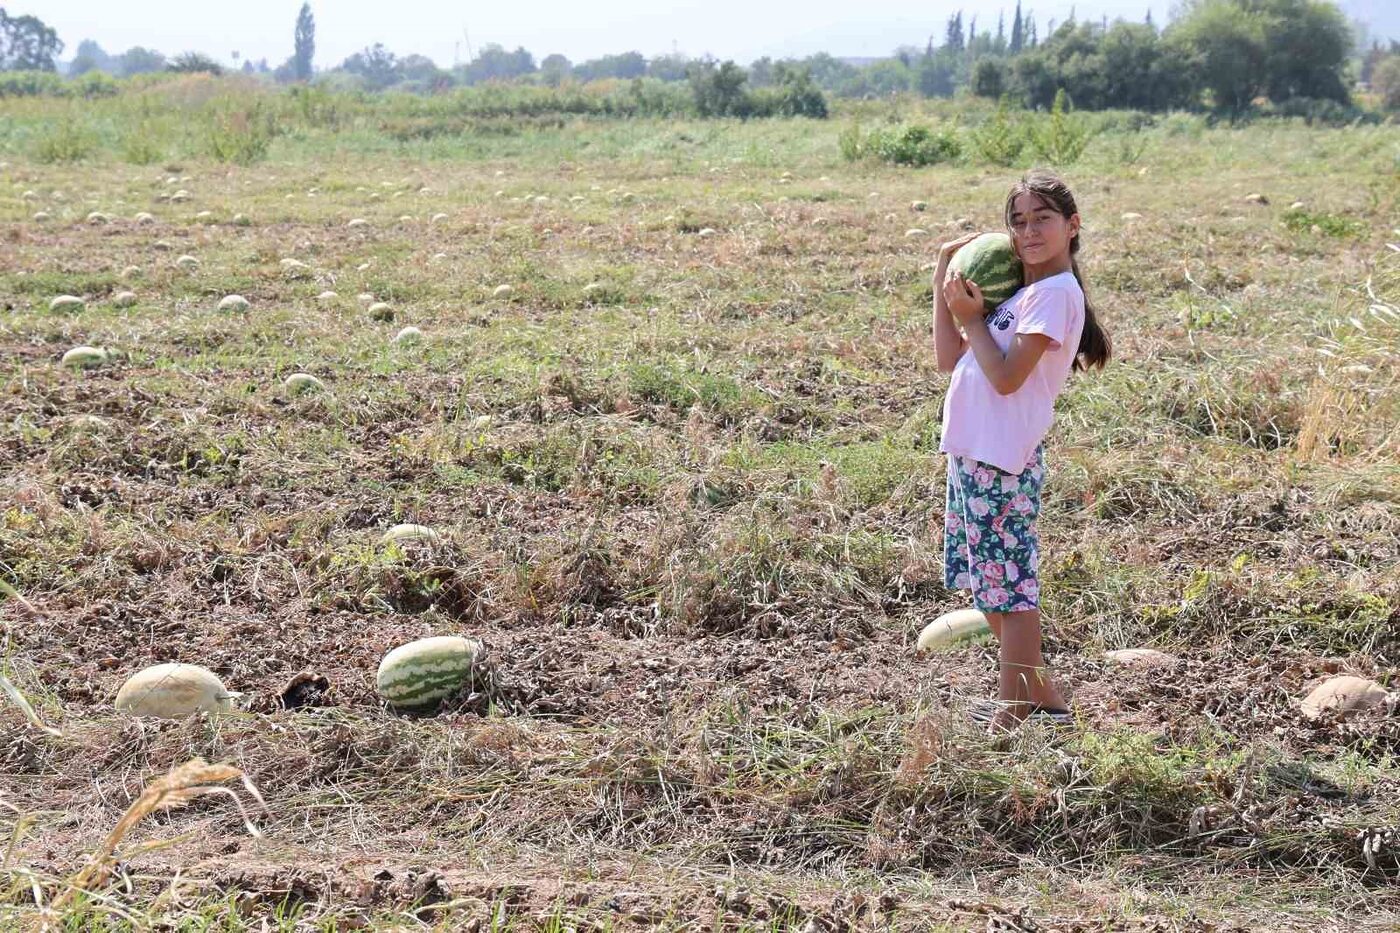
x: 984, y: 712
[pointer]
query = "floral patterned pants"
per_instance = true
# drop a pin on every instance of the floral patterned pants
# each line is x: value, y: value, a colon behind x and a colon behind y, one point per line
x: 990, y: 545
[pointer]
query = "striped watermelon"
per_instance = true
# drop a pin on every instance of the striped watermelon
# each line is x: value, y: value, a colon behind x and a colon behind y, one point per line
x: 990, y: 261
x: 425, y: 672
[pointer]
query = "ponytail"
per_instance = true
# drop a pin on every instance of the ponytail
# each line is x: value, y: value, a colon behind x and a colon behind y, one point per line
x: 1095, y: 348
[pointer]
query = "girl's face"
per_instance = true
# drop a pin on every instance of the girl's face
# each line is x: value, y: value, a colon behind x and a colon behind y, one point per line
x: 1039, y: 232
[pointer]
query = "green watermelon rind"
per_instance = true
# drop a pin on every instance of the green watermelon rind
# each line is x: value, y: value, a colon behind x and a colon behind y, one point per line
x: 998, y: 277
x: 425, y: 675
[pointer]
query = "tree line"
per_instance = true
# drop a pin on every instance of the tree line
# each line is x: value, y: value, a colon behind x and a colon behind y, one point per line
x: 1220, y: 55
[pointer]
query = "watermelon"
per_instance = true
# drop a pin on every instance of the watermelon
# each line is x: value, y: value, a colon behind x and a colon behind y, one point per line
x: 174, y: 691
x: 990, y: 261
x: 952, y: 626
x: 425, y: 672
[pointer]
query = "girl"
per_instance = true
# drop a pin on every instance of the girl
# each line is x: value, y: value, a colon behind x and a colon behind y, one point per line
x: 999, y: 406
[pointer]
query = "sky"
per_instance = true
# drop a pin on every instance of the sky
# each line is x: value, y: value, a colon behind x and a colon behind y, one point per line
x: 739, y: 29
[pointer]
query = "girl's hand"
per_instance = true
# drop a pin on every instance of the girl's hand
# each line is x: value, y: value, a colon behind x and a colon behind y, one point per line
x: 946, y: 251
x: 963, y: 297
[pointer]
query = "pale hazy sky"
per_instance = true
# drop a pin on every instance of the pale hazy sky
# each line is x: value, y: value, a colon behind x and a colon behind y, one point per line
x: 738, y: 29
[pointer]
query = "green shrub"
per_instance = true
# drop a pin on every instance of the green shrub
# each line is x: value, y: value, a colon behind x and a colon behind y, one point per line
x: 1062, y: 137
x: 241, y: 133
x: 1301, y: 221
x: 31, y: 84
x: 65, y: 141
x: 998, y: 141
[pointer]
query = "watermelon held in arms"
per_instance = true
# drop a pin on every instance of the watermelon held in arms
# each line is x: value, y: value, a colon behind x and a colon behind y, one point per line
x: 425, y: 672
x: 990, y: 261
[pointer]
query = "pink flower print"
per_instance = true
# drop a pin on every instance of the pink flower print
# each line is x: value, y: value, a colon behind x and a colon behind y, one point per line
x: 1010, y: 483
x: 1031, y: 463
x: 952, y: 521
x: 995, y: 596
x: 962, y: 581
x: 1029, y: 588
x: 983, y: 476
x: 1009, y: 541
x: 1034, y: 562
x: 993, y: 573
x: 979, y: 506
x: 1021, y: 607
x: 1013, y: 573
x: 1021, y: 503
x: 1036, y: 473
x: 974, y: 535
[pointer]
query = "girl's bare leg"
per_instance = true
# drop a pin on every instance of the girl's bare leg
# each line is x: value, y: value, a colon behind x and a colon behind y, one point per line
x: 1024, y: 677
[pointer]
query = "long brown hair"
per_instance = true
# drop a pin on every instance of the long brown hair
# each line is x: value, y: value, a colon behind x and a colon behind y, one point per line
x: 1094, y: 345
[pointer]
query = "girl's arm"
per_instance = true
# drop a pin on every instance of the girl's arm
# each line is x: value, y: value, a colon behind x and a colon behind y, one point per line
x: 1008, y: 372
x: 948, y: 343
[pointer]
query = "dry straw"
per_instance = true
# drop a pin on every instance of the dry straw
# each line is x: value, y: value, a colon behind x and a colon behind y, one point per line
x: 175, y: 788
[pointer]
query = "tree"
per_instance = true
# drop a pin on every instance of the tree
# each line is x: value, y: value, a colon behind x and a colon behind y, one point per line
x: 1385, y: 79
x: 1225, y: 41
x: 1018, y: 32
x: 937, y: 74
x: 137, y: 60
x: 376, y: 66
x: 719, y: 91
x: 1307, y: 44
x: 27, y: 44
x: 305, y: 39
x: 1281, y: 48
x: 668, y: 67
x: 953, y: 41
x: 988, y: 78
x: 194, y: 63
x: 90, y: 57
x: 626, y: 65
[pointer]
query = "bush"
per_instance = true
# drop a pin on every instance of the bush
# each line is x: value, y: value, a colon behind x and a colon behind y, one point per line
x: 30, y: 84
x: 1062, y: 137
x: 241, y: 133
x: 65, y: 141
x: 915, y: 145
x: 998, y: 141
x: 1321, y: 112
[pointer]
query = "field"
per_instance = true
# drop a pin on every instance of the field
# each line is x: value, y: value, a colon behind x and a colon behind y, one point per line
x: 687, y: 482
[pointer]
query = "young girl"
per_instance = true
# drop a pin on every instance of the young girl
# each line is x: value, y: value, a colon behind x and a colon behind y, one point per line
x: 1007, y: 372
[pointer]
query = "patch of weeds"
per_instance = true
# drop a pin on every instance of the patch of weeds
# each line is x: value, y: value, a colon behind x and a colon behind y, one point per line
x: 1317, y: 222
x: 65, y: 141
x: 1249, y: 407
x: 681, y: 389
x: 869, y: 472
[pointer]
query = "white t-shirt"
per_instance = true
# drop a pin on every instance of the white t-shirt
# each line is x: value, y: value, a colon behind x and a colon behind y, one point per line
x: 1004, y: 430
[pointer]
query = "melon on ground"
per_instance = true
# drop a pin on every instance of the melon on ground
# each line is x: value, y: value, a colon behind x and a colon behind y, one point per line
x: 233, y: 303
x: 425, y: 672
x: 1344, y: 694
x: 67, y: 303
x: 174, y: 691
x: 409, y: 532
x: 951, y: 626
x: 990, y: 261
x: 86, y: 357
x: 1140, y: 657
x: 301, y: 383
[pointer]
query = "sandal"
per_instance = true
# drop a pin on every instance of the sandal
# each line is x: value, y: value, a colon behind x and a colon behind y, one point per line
x: 984, y: 712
